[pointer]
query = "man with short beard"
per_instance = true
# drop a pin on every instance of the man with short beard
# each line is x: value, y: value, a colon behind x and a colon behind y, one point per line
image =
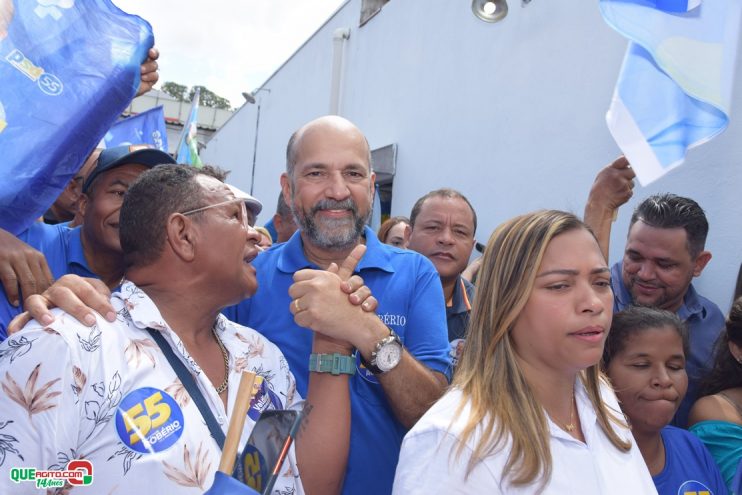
x: 401, y: 357
x: 665, y: 250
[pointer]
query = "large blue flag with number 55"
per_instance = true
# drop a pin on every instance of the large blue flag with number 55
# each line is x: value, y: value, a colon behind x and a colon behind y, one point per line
x: 68, y: 68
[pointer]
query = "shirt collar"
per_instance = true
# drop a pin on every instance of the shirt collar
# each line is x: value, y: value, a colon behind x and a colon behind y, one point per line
x: 586, y: 414
x: 620, y: 292
x: 460, y: 302
x: 77, y: 254
x: 691, y: 304
x: 141, y: 311
x: 378, y: 255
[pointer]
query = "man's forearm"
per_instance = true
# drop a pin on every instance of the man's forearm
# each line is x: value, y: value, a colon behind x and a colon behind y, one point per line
x: 600, y: 219
x: 322, y: 449
x: 411, y: 388
x: 612, y: 188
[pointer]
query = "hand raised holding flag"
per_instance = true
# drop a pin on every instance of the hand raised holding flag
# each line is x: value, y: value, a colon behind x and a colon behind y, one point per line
x: 149, y: 75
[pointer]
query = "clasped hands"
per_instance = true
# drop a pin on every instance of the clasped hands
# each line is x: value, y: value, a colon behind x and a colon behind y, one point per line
x: 333, y: 302
x: 322, y: 295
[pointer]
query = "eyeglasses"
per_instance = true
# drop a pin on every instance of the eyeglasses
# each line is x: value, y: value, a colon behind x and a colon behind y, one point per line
x: 243, y: 210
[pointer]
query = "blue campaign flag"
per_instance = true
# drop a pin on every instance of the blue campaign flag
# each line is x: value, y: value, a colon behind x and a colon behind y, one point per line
x: 226, y: 485
x: 675, y: 87
x: 68, y: 70
x: 144, y: 128
x: 676, y: 5
x: 188, y: 144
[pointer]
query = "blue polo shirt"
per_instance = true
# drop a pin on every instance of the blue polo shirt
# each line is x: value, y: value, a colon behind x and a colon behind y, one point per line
x: 705, y: 322
x: 62, y: 248
x: 411, y: 302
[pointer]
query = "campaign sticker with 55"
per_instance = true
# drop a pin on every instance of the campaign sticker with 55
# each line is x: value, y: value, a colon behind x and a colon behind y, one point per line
x: 79, y: 472
x: 149, y: 420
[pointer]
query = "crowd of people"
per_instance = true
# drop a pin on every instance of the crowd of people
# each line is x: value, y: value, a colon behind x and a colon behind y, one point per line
x: 541, y: 368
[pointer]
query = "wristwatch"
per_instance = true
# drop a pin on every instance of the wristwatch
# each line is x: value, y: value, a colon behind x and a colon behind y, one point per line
x: 386, y: 355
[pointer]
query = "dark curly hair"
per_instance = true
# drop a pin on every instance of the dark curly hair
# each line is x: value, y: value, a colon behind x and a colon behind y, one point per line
x: 727, y: 371
x: 667, y: 211
x: 635, y: 319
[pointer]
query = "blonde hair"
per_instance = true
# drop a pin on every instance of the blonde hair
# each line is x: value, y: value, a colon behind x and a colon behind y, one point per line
x: 488, y: 375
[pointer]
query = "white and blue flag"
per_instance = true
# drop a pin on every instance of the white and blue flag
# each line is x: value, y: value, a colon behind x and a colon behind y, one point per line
x: 187, y: 151
x: 675, y: 87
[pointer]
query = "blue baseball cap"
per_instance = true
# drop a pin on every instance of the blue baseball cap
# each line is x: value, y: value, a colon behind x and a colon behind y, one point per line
x: 137, y: 154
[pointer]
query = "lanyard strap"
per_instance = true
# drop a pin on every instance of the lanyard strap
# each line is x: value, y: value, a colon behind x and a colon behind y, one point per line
x: 190, y: 385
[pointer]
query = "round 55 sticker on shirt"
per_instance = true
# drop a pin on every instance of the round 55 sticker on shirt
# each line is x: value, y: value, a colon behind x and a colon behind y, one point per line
x: 148, y: 420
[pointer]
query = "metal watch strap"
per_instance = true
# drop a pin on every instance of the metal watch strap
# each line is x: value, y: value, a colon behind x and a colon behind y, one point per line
x: 337, y: 364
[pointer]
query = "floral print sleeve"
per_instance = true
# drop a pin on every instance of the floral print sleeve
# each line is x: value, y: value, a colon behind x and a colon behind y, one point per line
x: 107, y: 395
x: 41, y: 386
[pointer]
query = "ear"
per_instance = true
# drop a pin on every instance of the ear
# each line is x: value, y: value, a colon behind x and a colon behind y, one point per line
x: 286, y: 188
x: 75, y: 189
x: 277, y: 221
x: 82, y: 204
x: 373, y: 184
x: 406, y: 236
x: 735, y: 350
x: 182, y: 236
x: 700, y: 263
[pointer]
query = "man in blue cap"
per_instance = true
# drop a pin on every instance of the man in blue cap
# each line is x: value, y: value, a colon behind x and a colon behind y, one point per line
x: 93, y: 249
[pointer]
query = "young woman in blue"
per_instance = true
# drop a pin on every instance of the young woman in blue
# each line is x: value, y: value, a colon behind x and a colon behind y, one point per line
x: 716, y: 418
x: 644, y: 357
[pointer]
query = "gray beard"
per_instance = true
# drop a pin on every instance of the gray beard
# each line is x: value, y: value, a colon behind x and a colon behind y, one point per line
x: 338, y: 233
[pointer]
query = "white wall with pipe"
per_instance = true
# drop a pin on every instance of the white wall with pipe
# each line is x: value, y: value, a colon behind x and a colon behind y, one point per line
x: 512, y: 114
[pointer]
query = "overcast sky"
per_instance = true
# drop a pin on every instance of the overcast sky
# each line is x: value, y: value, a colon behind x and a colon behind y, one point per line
x: 229, y: 46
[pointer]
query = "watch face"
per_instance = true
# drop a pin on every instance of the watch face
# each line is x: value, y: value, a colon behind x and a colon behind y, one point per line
x: 388, y: 356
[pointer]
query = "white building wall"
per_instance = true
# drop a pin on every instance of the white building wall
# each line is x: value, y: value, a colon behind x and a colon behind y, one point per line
x: 511, y: 114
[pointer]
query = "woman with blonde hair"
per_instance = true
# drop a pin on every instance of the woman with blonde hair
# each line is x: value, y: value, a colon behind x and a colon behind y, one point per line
x: 529, y: 410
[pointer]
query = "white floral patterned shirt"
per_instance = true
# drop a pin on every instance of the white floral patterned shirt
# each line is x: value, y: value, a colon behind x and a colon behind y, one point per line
x: 67, y: 390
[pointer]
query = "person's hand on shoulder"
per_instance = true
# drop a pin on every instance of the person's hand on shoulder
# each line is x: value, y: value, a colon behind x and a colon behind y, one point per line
x: 75, y: 295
